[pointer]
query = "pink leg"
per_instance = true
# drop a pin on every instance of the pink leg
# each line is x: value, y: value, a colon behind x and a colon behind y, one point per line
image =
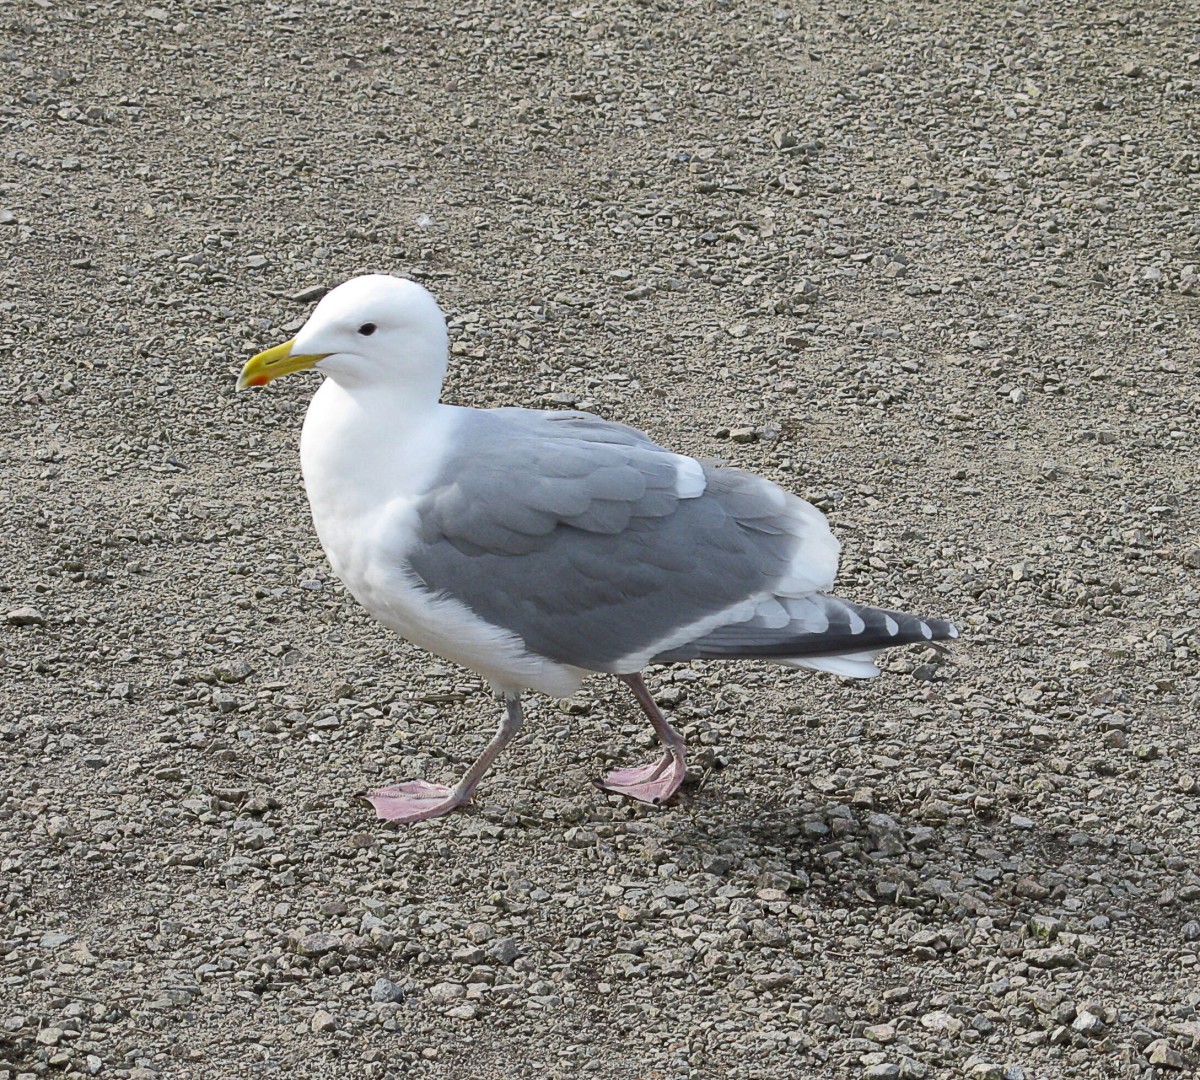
x: 416, y: 800
x: 654, y: 783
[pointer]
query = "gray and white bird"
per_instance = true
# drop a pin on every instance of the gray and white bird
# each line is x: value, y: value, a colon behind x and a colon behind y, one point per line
x: 537, y: 548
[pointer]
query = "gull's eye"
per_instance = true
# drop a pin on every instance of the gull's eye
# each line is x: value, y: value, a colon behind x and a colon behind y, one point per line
x: 367, y: 329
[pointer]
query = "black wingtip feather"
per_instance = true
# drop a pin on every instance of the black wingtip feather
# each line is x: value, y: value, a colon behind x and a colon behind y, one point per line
x: 853, y: 628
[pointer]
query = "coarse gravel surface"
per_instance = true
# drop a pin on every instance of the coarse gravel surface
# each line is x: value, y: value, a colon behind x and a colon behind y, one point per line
x: 931, y: 265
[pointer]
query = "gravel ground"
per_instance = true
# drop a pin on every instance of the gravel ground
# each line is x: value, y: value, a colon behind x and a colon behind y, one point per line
x: 932, y: 266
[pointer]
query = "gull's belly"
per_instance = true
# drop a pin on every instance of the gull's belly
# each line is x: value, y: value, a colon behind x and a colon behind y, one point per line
x: 368, y: 554
x: 365, y: 476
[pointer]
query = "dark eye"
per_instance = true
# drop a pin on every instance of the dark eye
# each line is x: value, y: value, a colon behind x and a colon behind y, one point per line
x: 367, y: 329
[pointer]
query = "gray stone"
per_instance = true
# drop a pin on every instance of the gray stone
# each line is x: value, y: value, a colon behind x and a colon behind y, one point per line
x: 55, y: 939
x: 942, y: 1022
x: 25, y: 616
x: 504, y: 951
x: 987, y: 1070
x: 323, y: 1022
x: 385, y: 990
x: 318, y: 944
x: 1162, y: 1053
x: 235, y: 671
x: 446, y: 992
x: 882, y: 1070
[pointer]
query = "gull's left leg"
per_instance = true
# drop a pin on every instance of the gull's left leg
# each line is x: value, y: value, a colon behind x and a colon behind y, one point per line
x: 415, y: 800
x: 654, y: 783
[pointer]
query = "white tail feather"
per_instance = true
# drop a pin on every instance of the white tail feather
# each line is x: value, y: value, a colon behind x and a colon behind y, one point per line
x: 858, y: 665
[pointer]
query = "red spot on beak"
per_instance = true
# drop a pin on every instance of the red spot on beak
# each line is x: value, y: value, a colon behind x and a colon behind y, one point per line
x: 260, y: 380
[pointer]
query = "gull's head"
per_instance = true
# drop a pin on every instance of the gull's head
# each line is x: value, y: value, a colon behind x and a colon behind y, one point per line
x: 369, y: 331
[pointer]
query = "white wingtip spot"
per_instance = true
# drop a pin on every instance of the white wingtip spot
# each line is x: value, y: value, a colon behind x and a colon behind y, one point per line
x: 857, y: 626
x: 689, y: 477
x: 808, y: 612
x: 926, y: 632
x: 772, y: 614
x: 891, y: 625
x: 953, y: 630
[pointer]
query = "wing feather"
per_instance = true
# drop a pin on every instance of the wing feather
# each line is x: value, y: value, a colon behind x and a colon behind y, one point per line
x: 572, y: 533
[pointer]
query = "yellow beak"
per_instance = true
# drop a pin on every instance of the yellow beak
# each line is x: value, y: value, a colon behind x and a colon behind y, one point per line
x: 273, y: 363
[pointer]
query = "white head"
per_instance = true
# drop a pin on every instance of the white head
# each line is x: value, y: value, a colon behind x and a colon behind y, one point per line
x: 373, y: 332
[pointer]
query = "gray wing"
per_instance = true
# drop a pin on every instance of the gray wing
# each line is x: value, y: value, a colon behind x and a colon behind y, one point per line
x: 594, y: 545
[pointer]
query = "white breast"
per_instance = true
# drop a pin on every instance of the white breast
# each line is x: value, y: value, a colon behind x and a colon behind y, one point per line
x: 365, y: 474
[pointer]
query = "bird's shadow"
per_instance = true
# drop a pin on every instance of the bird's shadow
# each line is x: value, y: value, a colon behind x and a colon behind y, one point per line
x: 969, y: 865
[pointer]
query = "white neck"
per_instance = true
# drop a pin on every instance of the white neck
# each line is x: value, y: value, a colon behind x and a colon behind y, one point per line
x: 364, y: 446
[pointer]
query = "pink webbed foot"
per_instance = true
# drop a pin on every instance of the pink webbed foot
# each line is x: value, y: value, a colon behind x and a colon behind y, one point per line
x: 655, y: 783
x: 414, y: 800
x: 417, y: 800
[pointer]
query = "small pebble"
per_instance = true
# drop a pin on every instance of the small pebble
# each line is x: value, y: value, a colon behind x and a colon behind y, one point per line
x: 25, y: 616
x: 1162, y: 1053
x: 385, y: 990
x: 446, y: 992
x: 323, y: 1022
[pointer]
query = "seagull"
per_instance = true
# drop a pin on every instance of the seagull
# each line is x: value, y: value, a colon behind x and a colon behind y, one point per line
x: 539, y: 547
